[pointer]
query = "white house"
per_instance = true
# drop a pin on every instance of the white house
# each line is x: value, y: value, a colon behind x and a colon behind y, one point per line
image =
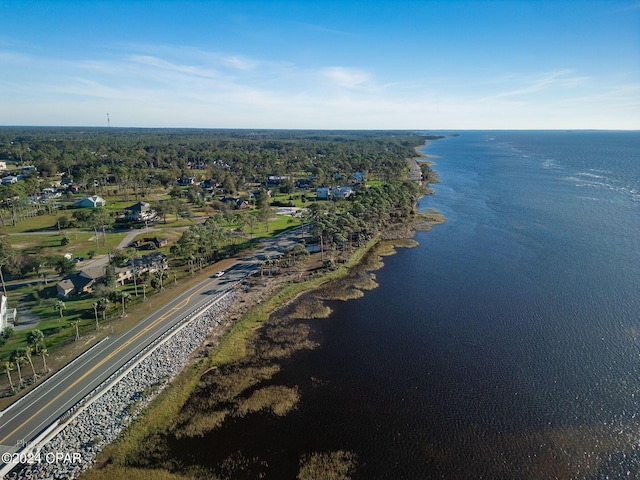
x: 326, y: 193
x: 341, y: 192
x: 9, y: 180
x: 141, y: 211
x: 7, y: 315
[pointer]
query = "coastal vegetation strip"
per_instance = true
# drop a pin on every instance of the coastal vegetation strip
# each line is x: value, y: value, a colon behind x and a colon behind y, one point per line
x: 187, y: 178
x: 227, y: 383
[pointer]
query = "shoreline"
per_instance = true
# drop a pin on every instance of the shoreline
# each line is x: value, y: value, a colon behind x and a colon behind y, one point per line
x: 275, y: 312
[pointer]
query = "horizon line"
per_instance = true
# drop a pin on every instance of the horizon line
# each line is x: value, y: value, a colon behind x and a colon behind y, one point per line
x: 99, y: 127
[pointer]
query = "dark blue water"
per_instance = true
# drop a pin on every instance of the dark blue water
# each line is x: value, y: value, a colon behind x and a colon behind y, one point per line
x: 507, y: 344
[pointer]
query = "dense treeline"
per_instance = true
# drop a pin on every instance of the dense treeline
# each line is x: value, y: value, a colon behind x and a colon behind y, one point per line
x: 141, y: 159
x: 151, y: 165
x: 148, y: 157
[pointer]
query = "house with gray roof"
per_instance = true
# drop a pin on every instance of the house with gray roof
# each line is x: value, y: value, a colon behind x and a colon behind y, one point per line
x: 90, y: 202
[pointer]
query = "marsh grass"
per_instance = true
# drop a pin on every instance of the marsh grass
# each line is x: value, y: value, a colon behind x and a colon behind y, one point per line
x: 283, y: 339
x: 405, y: 243
x: 277, y: 399
x: 339, y: 465
x: 250, y: 467
x: 204, y: 424
x: 227, y: 383
x: 310, y: 308
x: 117, y: 472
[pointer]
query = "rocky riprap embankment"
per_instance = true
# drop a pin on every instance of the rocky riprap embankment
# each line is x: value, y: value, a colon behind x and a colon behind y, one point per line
x: 102, y: 421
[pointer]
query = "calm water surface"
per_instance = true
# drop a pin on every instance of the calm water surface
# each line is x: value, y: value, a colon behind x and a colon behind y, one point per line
x: 507, y: 344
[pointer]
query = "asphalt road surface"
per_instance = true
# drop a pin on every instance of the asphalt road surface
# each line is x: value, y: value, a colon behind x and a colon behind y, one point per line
x: 23, y: 422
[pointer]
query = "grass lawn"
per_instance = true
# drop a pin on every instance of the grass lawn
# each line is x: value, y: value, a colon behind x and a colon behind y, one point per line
x: 80, y: 243
x: 34, y: 224
x: 40, y: 299
x: 374, y: 183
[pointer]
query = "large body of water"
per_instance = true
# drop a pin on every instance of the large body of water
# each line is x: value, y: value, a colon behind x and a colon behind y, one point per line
x: 507, y: 344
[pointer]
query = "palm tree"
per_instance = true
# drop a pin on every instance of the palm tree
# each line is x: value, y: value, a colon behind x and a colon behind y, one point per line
x: 133, y: 255
x: 35, y: 339
x: 44, y: 353
x: 158, y: 280
x: 95, y: 311
x: 75, y: 324
x: 102, y: 306
x: 124, y: 297
x: 8, y: 366
x: 263, y: 264
x: 18, y: 357
x: 44, y: 274
x: 27, y: 354
x: 298, y: 249
x: 60, y: 306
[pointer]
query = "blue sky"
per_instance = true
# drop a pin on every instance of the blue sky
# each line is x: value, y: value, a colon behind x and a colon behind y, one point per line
x: 321, y: 64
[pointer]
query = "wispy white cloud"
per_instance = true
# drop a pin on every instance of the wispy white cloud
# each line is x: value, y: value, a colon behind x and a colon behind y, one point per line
x: 347, y: 77
x: 175, y: 86
x: 631, y: 7
x: 544, y: 81
x: 331, y: 31
x: 156, y: 63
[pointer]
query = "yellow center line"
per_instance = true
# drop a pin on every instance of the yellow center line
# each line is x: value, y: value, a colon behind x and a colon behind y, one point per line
x: 106, y: 359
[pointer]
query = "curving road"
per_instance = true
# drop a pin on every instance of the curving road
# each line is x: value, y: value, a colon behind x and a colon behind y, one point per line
x: 23, y: 421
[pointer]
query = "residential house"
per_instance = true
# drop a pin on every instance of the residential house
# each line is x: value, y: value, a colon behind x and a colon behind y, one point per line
x: 185, y: 181
x: 66, y: 288
x: 10, y: 179
x: 275, y: 179
x: 139, y: 212
x: 326, y: 193
x: 306, y: 183
x: 150, y: 243
x: 150, y: 263
x: 79, y: 282
x: 237, y: 203
x: 358, y: 177
x: 90, y: 202
x: 74, y: 284
x: 7, y: 315
x: 158, y: 241
x: 208, y: 185
x: 322, y: 193
x: 197, y: 165
x: 341, y: 192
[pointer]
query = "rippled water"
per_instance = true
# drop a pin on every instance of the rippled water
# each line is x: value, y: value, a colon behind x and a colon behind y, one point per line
x: 506, y: 345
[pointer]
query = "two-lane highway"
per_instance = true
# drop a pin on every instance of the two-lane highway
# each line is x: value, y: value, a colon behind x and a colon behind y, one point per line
x: 22, y: 422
